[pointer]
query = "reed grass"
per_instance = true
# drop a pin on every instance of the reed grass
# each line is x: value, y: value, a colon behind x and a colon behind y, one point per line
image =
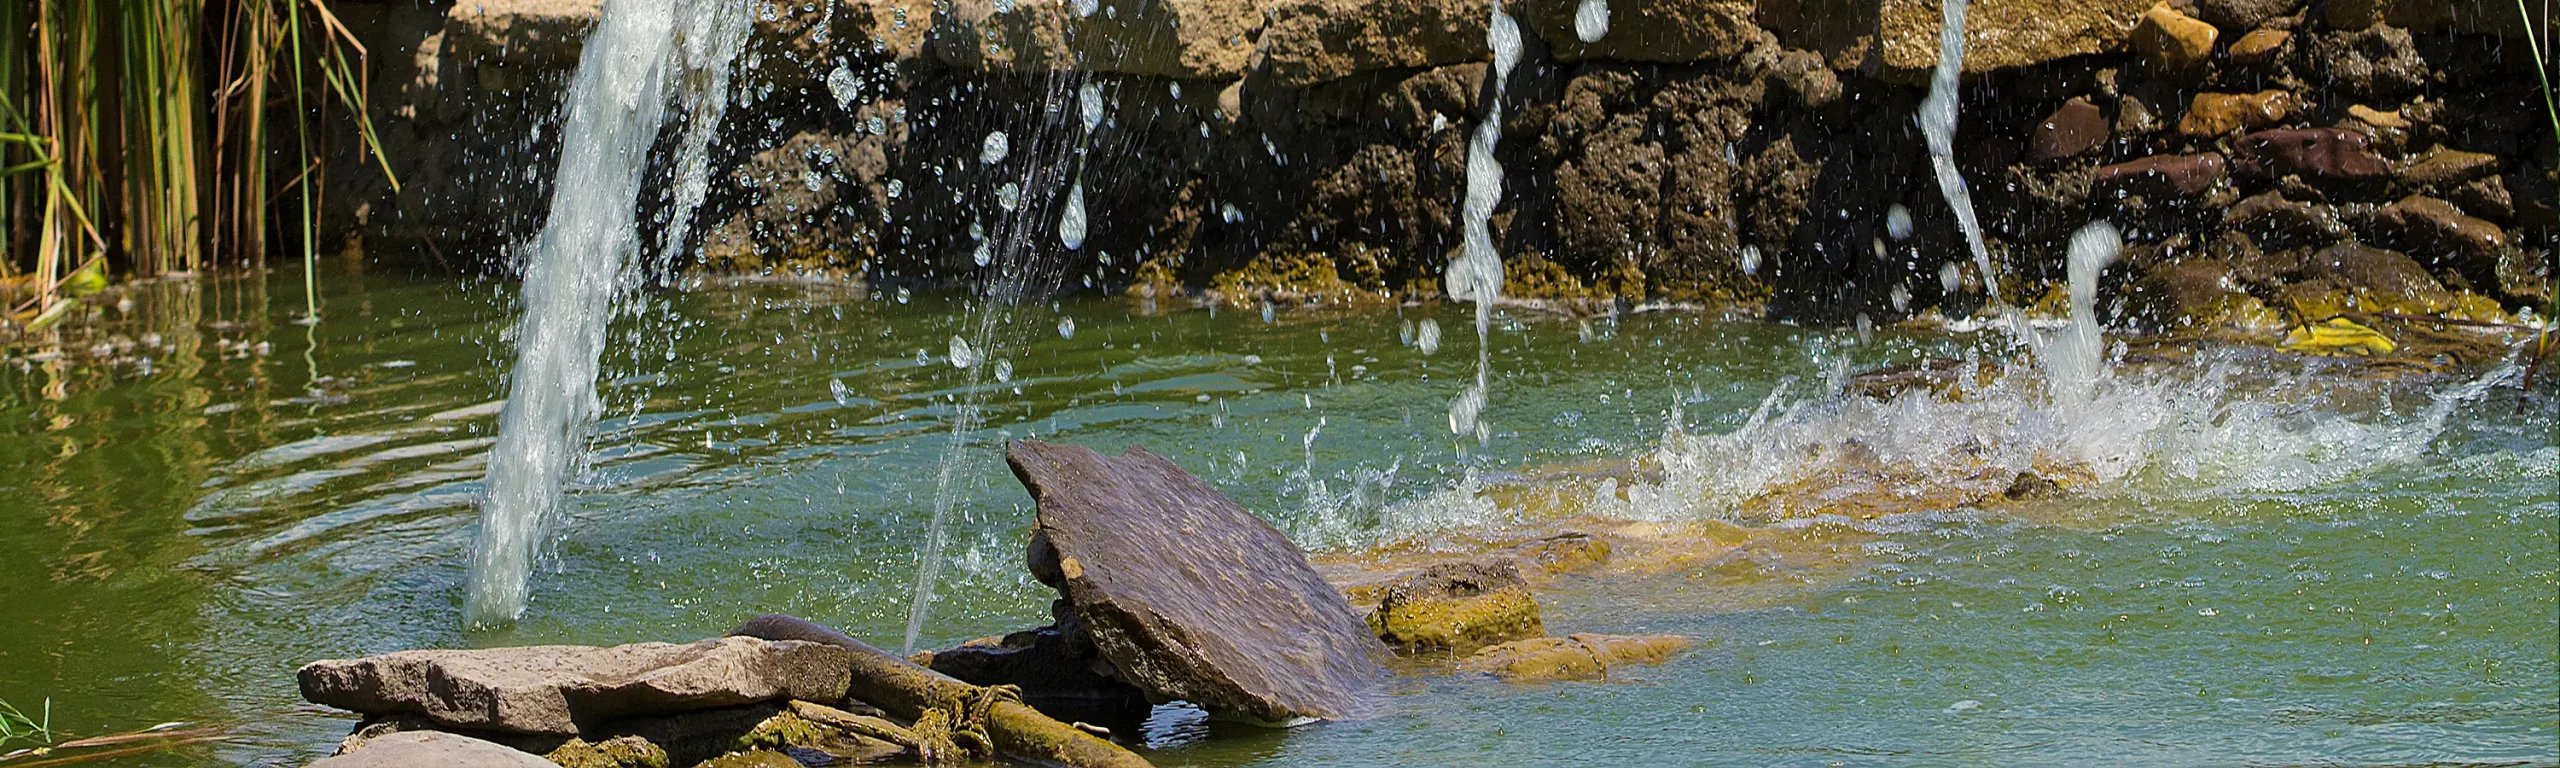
x: 143, y: 138
x: 16, y: 726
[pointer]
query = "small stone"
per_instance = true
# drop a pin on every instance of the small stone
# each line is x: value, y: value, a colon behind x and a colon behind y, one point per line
x: 2487, y: 198
x: 1457, y: 607
x: 2357, y: 266
x: 2378, y: 118
x: 2380, y: 61
x: 2435, y: 231
x: 2215, y: 114
x: 2260, y: 46
x: 2269, y: 215
x: 1578, y: 657
x: 2134, y: 118
x: 2077, y: 127
x: 431, y: 749
x: 2163, y: 177
x: 2327, y: 153
x: 2171, y: 41
x: 2449, y: 166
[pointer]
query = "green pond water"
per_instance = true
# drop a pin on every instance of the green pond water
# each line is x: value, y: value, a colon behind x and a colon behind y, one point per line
x: 2273, y: 561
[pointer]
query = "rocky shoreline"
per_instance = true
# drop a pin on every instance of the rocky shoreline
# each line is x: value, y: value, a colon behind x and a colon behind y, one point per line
x: 2275, y: 163
x: 1169, y: 593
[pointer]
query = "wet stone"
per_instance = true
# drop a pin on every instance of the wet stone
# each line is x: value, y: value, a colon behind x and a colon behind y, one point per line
x: 2077, y: 127
x: 557, y: 689
x: 2243, y: 14
x: 2163, y: 177
x: 2356, y: 266
x: 2260, y: 46
x: 2449, y: 166
x: 2487, y: 198
x: 2312, y: 152
x: 2215, y: 114
x: 2270, y: 216
x: 2378, y: 118
x: 2437, y: 232
x: 1578, y: 657
x: 2378, y: 61
x: 2173, y: 42
x: 1190, y: 597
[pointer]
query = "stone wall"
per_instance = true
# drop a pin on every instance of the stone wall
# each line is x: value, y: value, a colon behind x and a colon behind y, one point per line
x: 1724, y: 151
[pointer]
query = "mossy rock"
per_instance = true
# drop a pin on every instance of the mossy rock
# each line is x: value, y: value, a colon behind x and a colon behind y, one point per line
x: 616, y: 752
x: 1457, y: 607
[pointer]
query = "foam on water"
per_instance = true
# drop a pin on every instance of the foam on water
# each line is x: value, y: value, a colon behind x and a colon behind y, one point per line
x: 582, y: 261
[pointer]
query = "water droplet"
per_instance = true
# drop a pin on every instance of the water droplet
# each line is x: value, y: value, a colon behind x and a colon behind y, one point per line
x: 1897, y: 222
x: 1228, y: 212
x: 1004, y: 370
x: 896, y: 188
x: 986, y: 254
x: 997, y: 146
x: 961, y: 355
x: 1591, y: 20
x: 1950, y: 278
x: 843, y: 394
x: 840, y: 82
x: 811, y: 180
x: 902, y: 295
x: 1966, y: 705
x: 1749, y: 259
x: 1427, y: 337
x: 1066, y: 327
x: 1174, y: 87
x: 1086, y: 7
x: 1090, y: 97
x: 1071, y: 222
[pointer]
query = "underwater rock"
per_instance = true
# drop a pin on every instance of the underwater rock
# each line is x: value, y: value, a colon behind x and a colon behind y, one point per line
x: 2076, y: 127
x: 2260, y: 46
x: 2173, y: 42
x: 1307, y: 42
x: 1670, y: 31
x: 2164, y: 177
x: 431, y: 749
x: 1562, y: 553
x: 1191, y: 597
x: 1580, y: 656
x: 2312, y: 152
x: 2215, y: 114
x: 1457, y: 607
x: 555, y: 689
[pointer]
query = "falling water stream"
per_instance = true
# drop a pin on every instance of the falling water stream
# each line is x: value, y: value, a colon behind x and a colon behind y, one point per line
x: 1938, y: 124
x: 1476, y: 274
x: 641, y: 54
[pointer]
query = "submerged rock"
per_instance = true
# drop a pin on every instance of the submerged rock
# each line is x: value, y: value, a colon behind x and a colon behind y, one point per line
x: 431, y: 749
x: 556, y: 689
x: 1191, y: 597
x: 1457, y: 607
x: 1578, y: 657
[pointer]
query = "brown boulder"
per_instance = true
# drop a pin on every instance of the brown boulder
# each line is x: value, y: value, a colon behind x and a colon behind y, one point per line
x: 1999, y: 34
x: 1191, y: 597
x: 2173, y: 42
x: 2215, y: 114
x: 555, y: 689
x: 2244, y: 14
x: 2268, y: 215
x: 2326, y: 153
x: 2363, y: 267
x: 2077, y: 127
x: 2163, y: 177
x: 1457, y: 607
x: 1669, y: 31
x: 1578, y: 657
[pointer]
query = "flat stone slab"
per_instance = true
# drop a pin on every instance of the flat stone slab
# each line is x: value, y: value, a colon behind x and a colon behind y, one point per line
x: 432, y: 749
x: 1191, y: 597
x: 557, y: 689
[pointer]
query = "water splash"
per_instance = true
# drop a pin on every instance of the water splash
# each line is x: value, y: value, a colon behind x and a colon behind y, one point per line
x: 2074, y: 360
x: 582, y: 261
x: 1476, y: 275
x: 1591, y: 20
x: 1938, y: 123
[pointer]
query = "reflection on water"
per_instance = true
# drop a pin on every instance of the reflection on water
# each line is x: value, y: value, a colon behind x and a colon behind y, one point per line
x: 2257, y: 560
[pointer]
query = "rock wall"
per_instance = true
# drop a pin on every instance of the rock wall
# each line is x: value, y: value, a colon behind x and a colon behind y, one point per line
x: 1748, y: 153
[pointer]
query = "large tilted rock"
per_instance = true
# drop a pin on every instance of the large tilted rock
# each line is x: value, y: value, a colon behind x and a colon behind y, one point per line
x: 1189, y: 596
x: 556, y: 689
x: 432, y: 749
